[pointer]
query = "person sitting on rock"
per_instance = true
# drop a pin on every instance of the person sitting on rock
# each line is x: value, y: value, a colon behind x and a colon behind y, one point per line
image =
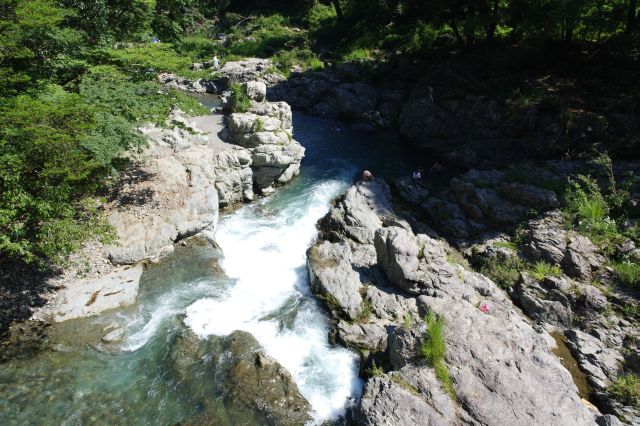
x: 367, y: 176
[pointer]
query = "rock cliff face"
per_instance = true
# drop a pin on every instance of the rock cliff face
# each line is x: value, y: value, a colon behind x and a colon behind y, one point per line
x: 378, y: 279
x: 507, y: 221
x: 266, y: 130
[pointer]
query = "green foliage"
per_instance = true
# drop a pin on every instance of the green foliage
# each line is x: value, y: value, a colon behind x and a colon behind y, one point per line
x: 506, y: 244
x: 442, y: 374
x: 146, y: 61
x: 286, y: 60
x: 366, y: 311
x: 407, y: 321
x: 258, y: 125
x: 374, y: 370
x: 586, y: 206
x: 433, y: 350
x: 628, y: 273
x: 542, y: 270
x: 504, y: 272
x: 240, y: 102
x: 46, y: 176
x: 626, y: 389
x: 263, y: 36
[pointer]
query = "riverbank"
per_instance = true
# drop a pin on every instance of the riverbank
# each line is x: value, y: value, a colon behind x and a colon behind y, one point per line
x: 174, y: 188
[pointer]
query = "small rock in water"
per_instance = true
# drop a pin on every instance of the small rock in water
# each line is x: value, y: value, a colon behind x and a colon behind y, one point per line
x: 114, y: 336
x: 112, y: 326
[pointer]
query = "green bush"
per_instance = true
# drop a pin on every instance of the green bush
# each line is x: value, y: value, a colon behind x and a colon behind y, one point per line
x: 542, y: 270
x: 285, y: 60
x: 240, y: 102
x: 626, y: 389
x: 628, y: 273
x: 46, y: 177
x: 505, y: 272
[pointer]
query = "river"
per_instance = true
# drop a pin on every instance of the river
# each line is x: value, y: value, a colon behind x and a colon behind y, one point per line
x: 257, y: 282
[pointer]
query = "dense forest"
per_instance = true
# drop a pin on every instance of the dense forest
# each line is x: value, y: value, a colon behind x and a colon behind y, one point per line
x: 78, y: 76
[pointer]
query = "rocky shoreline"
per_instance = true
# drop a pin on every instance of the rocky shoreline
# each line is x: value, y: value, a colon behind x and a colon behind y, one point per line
x: 380, y: 275
x: 191, y: 168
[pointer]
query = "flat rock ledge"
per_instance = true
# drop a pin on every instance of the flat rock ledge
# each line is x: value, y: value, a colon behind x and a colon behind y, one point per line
x: 379, y: 279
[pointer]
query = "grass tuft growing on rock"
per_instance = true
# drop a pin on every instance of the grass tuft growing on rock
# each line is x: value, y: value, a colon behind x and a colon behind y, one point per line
x: 505, y: 272
x: 375, y: 370
x: 626, y: 389
x: 628, y: 273
x: 366, y: 312
x: 240, y: 102
x: 542, y: 270
x: 589, y: 211
x: 433, y: 350
x: 433, y: 346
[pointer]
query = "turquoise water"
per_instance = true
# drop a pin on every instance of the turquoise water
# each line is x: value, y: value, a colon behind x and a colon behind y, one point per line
x: 259, y: 285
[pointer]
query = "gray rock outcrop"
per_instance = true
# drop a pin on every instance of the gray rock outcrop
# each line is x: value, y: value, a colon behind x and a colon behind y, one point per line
x: 502, y: 370
x: 91, y: 297
x: 235, y: 368
x: 184, y: 84
x: 267, y: 132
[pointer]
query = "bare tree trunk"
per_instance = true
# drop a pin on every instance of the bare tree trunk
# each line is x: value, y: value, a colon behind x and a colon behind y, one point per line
x: 338, y: 8
x: 456, y: 31
x: 632, y: 17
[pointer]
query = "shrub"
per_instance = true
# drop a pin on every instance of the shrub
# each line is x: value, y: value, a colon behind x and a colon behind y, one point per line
x: 628, y: 273
x: 542, y: 270
x: 374, y: 370
x: 505, y: 272
x: 626, y: 389
x: 285, y: 60
x: 240, y: 102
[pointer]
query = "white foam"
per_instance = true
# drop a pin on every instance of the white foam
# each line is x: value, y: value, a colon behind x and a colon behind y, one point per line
x: 146, y: 324
x: 267, y: 257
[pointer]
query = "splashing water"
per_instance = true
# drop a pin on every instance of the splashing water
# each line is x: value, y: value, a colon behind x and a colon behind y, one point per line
x: 266, y: 254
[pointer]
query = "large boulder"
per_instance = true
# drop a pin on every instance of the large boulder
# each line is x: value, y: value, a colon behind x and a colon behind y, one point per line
x: 256, y: 90
x: 358, y: 213
x: 89, y: 297
x: 266, y: 130
x: 333, y: 278
x: 546, y: 238
x: 236, y: 368
x: 411, y: 396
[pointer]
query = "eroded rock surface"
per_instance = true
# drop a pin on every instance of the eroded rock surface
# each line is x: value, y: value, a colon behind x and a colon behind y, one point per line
x: 92, y: 296
x: 266, y: 130
x: 236, y: 369
x: 502, y: 369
